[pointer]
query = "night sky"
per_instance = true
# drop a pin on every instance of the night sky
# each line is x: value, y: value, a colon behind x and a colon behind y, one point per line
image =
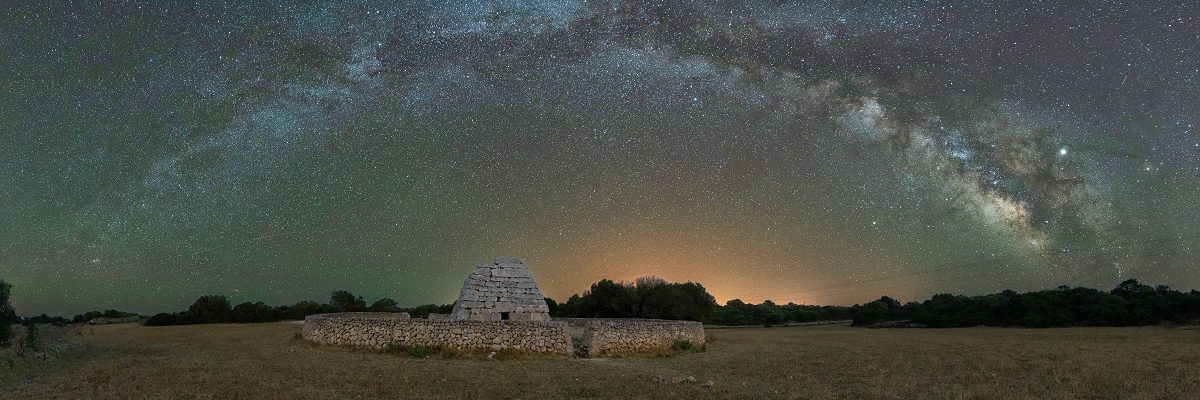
x: 819, y: 152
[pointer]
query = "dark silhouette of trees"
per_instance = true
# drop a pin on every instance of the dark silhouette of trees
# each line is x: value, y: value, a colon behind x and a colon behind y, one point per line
x: 216, y: 309
x: 384, y: 305
x: 306, y: 308
x: 423, y: 311
x: 737, y: 312
x: 255, y: 312
x: 8, y: 315
x: 1131, y: 303
x: 90, y: 315
x: 648, y: 297
x: 346, y: 302
x: 46, y: 319
x: 211, y: 309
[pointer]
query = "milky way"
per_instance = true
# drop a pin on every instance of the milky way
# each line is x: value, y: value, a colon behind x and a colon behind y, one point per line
x: 810, y: 151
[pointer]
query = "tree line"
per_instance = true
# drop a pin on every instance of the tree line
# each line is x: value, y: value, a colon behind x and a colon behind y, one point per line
x: 1131, y: 303
x: 653, y: 297
x: 216, y: 309
x: 646, y: 297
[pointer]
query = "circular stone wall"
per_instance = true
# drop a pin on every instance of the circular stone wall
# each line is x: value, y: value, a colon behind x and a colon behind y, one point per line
x: 377, y: 330
x: 607, y: 336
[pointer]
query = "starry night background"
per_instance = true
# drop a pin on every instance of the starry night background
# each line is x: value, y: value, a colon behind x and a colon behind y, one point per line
x: 821, y: 152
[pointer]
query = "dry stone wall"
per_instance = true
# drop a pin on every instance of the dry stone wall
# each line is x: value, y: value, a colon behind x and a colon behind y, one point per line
x: 377, y: 330
x: 110, y: 321
x: 625, y: 336
x: 501, y: 290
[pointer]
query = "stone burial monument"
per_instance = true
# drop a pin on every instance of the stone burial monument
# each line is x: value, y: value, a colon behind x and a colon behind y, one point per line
x: 502, y: 290
x: 501, y: 308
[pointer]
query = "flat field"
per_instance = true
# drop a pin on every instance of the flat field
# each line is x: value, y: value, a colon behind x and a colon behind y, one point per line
x: 266, y: 361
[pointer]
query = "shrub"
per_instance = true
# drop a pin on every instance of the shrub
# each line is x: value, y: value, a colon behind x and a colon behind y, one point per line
x: 417, y: 350
x: 254, y: 312
x: 682, y: 345
x: 7, y: 315
x: 33, y: 341
x: 384, y: 305
x: 392, y: 348
x: 165, y: 319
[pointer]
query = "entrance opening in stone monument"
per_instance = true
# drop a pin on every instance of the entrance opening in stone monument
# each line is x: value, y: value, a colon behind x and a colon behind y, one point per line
x: 504, y: 316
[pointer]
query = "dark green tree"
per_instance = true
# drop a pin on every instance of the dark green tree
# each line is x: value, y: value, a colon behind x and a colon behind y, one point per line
x: 347, y: 302
x: 607, y: 299
x: 306, y: 308
x: 8, y: 315
x: 254, y: 312
x: 423, y: 311
x: 384, y: 305
x: 211, y: 309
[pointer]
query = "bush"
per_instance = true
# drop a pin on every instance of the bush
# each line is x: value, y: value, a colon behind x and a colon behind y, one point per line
x: 393, y: 348
x: 384, y: 305
x: 165, y: 319
x: 46, y: 319
x: 254, y: 312
x: 33, y: 341
x: 682, y: 345
x: 424, y: 310
x: 417, y: 350
x: 8, y: 316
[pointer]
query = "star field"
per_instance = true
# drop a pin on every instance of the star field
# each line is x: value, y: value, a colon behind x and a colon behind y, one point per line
x: 819, y: 152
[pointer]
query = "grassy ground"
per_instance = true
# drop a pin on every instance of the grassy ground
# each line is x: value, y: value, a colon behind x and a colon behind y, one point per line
x: 265, y: 361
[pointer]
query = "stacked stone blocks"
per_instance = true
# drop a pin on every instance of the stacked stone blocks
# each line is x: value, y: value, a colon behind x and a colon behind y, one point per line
x: 372, y: 330
x: 501, y: 290
x: 631, y: 336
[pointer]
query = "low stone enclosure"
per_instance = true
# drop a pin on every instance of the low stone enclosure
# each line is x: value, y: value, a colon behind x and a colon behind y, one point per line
x: 568, y: 336
x: 378, y: 330
x: 613, y: 336
x: 501, y: 308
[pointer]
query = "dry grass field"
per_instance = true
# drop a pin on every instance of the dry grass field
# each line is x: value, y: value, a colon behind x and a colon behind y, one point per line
x: 266, y: 361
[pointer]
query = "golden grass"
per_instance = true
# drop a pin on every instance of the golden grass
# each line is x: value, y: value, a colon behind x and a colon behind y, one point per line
x: 265, y: 361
